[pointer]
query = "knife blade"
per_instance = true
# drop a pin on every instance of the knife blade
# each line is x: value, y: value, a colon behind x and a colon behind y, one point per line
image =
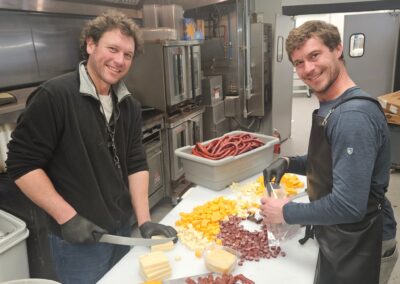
x: 127, y: 241
x: 182, y: 279
x: 270, y: 186
x: 267, y: 183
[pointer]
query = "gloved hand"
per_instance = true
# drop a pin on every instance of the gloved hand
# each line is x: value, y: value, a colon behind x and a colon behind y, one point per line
x: 277, y: 169
x: 149, y: 229
x: 80, y: 230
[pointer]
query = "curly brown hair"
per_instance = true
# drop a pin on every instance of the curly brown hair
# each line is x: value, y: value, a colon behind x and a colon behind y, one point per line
x: 110, y: 20
x: 328, y: 33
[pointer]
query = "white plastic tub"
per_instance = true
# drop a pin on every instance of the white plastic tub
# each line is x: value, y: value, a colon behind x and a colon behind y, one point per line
x: 218, y: 174
x: 31, y: 281
x: 13, y: 253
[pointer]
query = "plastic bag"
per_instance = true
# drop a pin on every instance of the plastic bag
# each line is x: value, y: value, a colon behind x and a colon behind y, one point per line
x: 280, y: 232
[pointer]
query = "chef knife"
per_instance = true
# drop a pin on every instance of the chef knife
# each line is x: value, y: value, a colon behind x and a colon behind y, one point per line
x: 127, y: 241
x: 182, y: 279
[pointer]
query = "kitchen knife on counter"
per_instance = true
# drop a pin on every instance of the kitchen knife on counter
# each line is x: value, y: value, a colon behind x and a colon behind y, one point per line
x: 127, y: 241
x: 182, y: 279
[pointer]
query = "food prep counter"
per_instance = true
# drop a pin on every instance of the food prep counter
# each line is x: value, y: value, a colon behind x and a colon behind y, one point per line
x: 298, y: 266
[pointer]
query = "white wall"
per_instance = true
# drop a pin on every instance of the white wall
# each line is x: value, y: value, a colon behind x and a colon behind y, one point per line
x: 269, y: 9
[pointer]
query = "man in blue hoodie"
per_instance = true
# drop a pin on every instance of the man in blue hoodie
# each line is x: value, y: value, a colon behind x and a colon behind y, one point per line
x: 347, y: 167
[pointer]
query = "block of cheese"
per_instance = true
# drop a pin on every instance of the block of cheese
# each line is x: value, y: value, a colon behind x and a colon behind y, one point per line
x: 153, y: 259
x: 156, y: 276
x: 161, y: 274
x: 153, y: 269
x: 219, y: 260
x: 162, y: 247
x: 154, y: 266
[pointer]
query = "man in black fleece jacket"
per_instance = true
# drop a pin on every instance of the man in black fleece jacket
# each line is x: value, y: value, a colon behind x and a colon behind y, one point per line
x: 77, y: 153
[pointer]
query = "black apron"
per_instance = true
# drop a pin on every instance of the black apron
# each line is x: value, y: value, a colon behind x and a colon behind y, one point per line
x: 348, y: 253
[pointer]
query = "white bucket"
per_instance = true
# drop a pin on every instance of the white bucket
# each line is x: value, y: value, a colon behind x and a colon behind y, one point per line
x: 13, y: 252
x: 31, y: 281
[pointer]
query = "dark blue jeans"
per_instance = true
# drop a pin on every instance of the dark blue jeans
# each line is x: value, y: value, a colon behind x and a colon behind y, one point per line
x: 85, y: 263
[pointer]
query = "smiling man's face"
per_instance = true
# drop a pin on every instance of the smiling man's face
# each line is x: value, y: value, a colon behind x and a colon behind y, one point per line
x: 109, y: 59
x: 316, y: 65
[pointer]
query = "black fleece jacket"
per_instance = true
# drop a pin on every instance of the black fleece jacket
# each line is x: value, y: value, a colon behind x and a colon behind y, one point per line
x: 63, y: 132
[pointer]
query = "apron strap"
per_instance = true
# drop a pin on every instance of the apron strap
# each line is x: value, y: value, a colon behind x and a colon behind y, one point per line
x: 325, y: 121
x: 309, y: 234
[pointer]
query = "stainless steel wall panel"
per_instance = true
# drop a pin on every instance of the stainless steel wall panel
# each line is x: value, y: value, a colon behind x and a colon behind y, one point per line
x: 256, y: 102
x: 214, y: 114
x: 18, y: 60
x: 65, y: 7
x: 216, y: 130
x: 282, y: 90
x: 56, y: 40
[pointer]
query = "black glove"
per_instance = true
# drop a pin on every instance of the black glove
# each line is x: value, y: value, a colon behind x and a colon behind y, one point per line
x: 277, y: 169
x: 80, y: 230
x: 149, y: 229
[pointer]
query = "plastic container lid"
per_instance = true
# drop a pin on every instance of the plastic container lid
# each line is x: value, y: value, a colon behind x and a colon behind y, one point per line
x: 12, y: 231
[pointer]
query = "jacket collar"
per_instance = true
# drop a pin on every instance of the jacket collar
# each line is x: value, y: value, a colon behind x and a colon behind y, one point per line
x: 86, y: 86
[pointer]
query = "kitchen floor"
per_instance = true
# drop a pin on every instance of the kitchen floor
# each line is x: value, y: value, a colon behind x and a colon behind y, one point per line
x: 297, y: 145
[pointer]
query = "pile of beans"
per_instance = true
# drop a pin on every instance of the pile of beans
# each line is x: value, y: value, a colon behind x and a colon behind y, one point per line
x: 251, y: 245
x: 224, y: 279
x: 228, y: 145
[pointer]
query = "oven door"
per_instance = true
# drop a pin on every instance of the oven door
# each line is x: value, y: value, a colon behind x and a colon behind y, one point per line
x: 153, y: 145
x: 175, y: 71
x: 155, y: 162
x: 196, y: 70
x: 178, y: 137
x: 196, y: 129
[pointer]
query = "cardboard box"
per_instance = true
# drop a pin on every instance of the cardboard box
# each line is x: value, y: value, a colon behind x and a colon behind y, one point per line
x: 189, y: 28
x: 391, y: 102
x: 193, y: 29
x: 392, y: 118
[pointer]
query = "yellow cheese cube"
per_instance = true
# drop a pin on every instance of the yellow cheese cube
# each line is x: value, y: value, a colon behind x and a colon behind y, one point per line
x: 220, y: 260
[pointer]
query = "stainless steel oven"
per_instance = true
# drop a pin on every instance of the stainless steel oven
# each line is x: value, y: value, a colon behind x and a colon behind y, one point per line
x: 160, y: 78
x: 152, y: 141
x: 182, y: 130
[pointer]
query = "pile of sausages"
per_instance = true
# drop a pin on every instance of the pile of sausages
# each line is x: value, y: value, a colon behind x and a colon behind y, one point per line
x: 224, y: 279
x: 251, y: 245
x: 228, y: 145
